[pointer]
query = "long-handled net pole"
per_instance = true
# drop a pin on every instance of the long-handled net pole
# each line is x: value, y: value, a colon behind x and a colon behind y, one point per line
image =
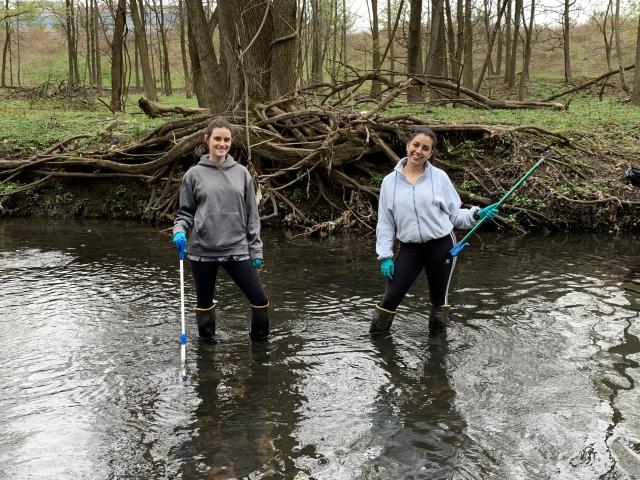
x: 183, y: 334
x: 462, y: 244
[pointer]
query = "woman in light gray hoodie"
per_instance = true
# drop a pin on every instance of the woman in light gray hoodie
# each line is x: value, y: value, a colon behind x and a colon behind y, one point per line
x: 419, y: 207
x: 218, y: 207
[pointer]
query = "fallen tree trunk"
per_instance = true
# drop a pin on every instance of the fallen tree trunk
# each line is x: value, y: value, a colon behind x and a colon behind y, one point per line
x: 584, y: 85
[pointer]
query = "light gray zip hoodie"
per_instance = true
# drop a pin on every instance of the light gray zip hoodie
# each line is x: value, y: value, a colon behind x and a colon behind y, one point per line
x: 428, y: 210
x: 218, y: 204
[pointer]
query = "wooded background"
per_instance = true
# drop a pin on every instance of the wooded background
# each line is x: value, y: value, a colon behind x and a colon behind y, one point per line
x: 228, y: 52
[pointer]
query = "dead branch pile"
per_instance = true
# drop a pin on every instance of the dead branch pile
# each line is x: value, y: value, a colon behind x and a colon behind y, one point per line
x: 319, y: 167
x: 71, y: 95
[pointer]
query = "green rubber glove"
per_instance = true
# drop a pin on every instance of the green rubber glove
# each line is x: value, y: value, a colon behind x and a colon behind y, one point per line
x: 489, y: 212
x: 387, y: 268
x: 257, y: 263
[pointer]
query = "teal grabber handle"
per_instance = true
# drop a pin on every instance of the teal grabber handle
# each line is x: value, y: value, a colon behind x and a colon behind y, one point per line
x: 461, y: 245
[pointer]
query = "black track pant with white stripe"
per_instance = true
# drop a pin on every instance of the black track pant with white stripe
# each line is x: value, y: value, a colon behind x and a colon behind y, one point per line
x: 433, y: 257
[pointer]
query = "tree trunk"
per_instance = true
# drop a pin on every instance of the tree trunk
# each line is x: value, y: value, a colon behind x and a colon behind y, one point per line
x: 165, y: 53
x: 5, y: 48
x: 413, y: 49
x: 513, y: 57
x: 459, y: 38
x: 494, y: 33
x: 204, y: 62
x: 73, y: 76
x: 88, y: 40
x: 451, y: 40
x: 616, y: 26
x: 487, y: 31
x: 117, y: 70
x: 392, y: 54
x: 137, y: 15
x: 284, y: 71
x: 96, y: 44
x: 437, y: 55
x: 467, y: 67
x: 499, y: 53
x: 507, y: 43
x: 376, y: 86
x: 635, y: 96
x: 316, y: 44
x: 183, y: 51
x: 566, y: 46
x: 526, y: 60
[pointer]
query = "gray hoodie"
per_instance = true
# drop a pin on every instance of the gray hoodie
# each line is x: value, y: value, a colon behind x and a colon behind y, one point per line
x: 418, y: 213
x: 218, y: 204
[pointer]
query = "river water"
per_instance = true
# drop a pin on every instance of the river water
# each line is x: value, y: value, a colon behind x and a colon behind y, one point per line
x: 536, y: 377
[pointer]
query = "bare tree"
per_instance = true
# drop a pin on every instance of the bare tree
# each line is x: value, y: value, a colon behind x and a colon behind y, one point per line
x: 616, y: 27
x: 513, y: 56
x: 492, y: 39
x: 507, y: 41
x: 96, y: 54
x: 601, y: 19
x: 392, y: 54
x: 526, y: 54
x: 566, y: 38
x: 257, y: 60
x: 137, y: 15
x: 437, y: 54
x: 183, y: 50
x: 635, y: 96
x: 117, y: 63
x: 6, y: 49
x: 467, y: 67
x: 72, y: 51
x: 414, y: 48
x: 316, y: 44
x: 376, y: 86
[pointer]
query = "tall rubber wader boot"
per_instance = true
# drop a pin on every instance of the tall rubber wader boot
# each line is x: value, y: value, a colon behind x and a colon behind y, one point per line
x: 259, y: 327
x: 381, y: 322
x: 438, y: 318
x: 206, y: 318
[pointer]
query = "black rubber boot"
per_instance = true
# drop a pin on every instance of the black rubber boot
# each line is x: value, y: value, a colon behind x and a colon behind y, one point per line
x: 438, y: 319
x: 206, y: 318
x: 381, y: 322
x: 259, y: 328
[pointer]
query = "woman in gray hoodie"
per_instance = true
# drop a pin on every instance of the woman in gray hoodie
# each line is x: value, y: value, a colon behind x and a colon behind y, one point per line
x: 419, y: 207
x: 218, y: 207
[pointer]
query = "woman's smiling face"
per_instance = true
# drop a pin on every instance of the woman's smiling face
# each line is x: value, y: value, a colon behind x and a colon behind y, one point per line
x: 219, y: 143
x: 419, y: 149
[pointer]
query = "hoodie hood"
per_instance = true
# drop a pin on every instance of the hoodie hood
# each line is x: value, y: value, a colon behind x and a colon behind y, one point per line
x: 229, y: 162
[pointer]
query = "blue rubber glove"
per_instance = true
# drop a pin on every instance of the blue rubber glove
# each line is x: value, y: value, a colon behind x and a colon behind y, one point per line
x: 387, y: 268
x: 489, y: 212
x: 180, y: 241
x: 257, y: 263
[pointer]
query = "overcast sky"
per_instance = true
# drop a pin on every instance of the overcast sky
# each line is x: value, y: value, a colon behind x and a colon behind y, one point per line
x: 548, y: 11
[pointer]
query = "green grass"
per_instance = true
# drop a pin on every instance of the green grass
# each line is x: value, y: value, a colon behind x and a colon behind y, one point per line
x: 24, y: 127
x: 586, y: 115
x: 32, y: 127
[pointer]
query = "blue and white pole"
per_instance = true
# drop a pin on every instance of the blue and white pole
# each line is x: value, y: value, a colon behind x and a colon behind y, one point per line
x: 183, y: 334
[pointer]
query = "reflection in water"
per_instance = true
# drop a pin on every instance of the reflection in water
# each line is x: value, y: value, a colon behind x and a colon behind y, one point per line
x: 537, y: 377
x: 414, y: 415
x: 245, y: 414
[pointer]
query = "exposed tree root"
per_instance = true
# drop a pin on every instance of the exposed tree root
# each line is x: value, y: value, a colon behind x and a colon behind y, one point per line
x: 319, y: 167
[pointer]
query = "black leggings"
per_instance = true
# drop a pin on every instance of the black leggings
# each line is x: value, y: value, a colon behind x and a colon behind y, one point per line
x: 411, y: 258
x: 242, y: 273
